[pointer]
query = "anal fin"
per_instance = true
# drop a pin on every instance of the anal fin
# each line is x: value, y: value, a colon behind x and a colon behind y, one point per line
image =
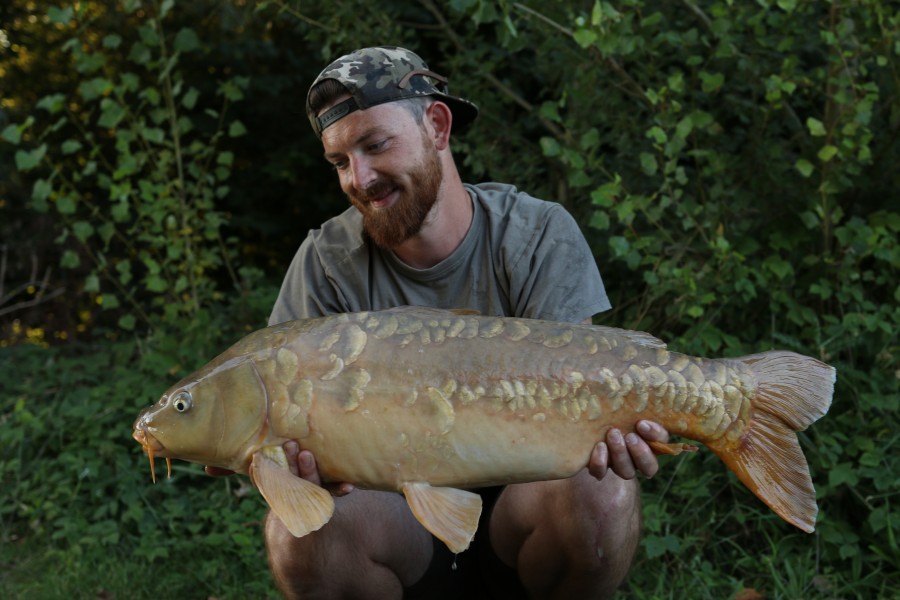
x: 450, y: 514
x: 301, y: 505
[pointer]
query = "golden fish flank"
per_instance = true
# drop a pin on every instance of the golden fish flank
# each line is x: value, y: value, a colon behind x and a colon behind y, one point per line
x: 424, y: 401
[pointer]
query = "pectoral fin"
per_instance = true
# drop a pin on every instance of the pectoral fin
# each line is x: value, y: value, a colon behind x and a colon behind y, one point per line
x: 301, y: 505
x: 448, y: 513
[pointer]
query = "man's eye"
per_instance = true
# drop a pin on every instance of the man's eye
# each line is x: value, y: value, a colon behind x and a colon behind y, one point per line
x: 377, y: 146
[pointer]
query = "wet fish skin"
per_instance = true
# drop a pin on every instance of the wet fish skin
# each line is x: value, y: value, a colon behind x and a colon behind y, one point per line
x: 427, y: 402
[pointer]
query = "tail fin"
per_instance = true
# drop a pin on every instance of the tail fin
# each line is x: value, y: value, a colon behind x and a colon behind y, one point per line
x: 793, y: 391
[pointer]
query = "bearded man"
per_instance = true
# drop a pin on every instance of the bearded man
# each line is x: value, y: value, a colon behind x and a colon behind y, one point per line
x: 417, y: 235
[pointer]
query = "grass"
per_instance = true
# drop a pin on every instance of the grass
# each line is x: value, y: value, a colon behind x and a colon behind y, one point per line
x: 34, y: 570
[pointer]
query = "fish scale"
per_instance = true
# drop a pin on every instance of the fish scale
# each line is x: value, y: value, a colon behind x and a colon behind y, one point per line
x: 428, y: 402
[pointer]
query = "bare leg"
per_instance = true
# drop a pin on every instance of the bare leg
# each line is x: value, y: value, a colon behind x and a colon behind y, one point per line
x: 372, y: 548
x: 572, y: 538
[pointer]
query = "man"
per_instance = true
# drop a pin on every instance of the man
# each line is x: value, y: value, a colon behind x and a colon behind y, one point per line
x: 416, y: 235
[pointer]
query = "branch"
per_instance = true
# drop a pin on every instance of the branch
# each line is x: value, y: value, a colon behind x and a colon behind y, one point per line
x: 499, y: 85
x: 41, y: 295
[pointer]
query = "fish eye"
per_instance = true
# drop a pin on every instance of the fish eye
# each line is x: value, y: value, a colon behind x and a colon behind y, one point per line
x: 182, y: 402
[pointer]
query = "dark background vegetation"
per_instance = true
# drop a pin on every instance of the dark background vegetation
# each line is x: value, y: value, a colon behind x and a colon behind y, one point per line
x: 733, y: 164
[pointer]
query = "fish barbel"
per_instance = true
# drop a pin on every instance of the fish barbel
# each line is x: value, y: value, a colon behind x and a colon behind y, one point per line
x: 429, y: 402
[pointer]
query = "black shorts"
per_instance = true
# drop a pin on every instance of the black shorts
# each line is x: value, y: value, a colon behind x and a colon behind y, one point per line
x: 476, y: 574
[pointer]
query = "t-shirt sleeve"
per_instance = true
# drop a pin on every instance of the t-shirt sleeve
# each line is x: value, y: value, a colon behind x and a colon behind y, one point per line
x: 556, y: 276
x: 307, y: 290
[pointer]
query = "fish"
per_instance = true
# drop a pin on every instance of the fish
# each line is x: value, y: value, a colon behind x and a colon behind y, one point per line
x: 435, y: 403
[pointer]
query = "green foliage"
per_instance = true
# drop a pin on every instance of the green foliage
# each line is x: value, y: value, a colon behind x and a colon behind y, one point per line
x: 132, y: 162
x: 85, y: 514
x: 733, y: 165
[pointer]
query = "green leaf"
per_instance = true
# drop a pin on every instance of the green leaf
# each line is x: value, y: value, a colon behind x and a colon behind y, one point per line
x: 112, y: 114
x: 780, y: 267
x: 186, y: 40
x: 237, y: 129
x: 843, y: 473
x: 711, y: 82
x: 827, y: 152
x: 95, y: 88
x: 590, y: 139
x: 60, y: 16
x: 154, y: 134
x: 52, y: 103
x: 605, y: 195
x: 657, y: 134
x: 41, y: 191
x: 124, y: 269
x: 112, y: 41
x: 685, y: 127
x: 787, y: 5
x: 127, y: 322
x: 584, y: 37
x: 71, y: 147
x: 82, y: 230
x: 190, y: 98
x: 119, y: 211
x: 109, y: 301
x: 656, y: 545
x: 92, y: 283
x: 140, y: 54
x: 164, y: 9
x: 648, y: 163
x: 805, y: 167
x: 815, y: 126
x: 156, y: 284
x: 600, y: 220
x: 70, y: 260
x: 65, y: 205
x: 29, y: 159
x: 550, y: 146
x: 619, y: 245
x: 12, y: 134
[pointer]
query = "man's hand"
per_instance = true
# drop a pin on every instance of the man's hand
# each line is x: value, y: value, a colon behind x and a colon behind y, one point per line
x: 628, y: 455
x: 302, y: 463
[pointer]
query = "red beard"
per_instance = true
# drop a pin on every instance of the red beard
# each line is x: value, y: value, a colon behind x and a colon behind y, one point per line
x: 390, y: 227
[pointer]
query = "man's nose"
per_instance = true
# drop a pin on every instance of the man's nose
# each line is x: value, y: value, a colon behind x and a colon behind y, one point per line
x: 361, y: 173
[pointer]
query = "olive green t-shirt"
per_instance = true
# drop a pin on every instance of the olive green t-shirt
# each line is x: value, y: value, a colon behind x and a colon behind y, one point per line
x: 521, y: 257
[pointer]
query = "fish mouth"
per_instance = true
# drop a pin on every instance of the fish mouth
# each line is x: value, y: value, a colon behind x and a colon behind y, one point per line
x: 152, y: 447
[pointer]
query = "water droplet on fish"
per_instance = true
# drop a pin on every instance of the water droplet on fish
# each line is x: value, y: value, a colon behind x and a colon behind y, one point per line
x: 453, y: 566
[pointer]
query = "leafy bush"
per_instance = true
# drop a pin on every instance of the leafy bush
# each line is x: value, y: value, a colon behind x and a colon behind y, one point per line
x: 132, y: 163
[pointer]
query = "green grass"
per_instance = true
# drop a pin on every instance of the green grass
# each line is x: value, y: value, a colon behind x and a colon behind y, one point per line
x: 34, y: 570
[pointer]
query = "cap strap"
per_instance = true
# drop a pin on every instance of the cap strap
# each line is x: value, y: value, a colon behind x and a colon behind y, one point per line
x: 335, y: 113
x: 404, y: 81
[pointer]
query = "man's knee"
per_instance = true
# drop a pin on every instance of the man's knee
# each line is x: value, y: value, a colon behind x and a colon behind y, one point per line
x: 372, y: 547
x: 291, y: 559
x: 586, y: 549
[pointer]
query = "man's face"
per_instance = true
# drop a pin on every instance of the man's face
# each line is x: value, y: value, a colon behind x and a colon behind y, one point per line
x: 389, y: 169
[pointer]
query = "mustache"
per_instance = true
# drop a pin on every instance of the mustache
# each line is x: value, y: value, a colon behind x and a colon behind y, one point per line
x: 377, y: 190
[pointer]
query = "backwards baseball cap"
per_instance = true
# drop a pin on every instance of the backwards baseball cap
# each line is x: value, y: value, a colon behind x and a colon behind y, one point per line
x: 375, y: 76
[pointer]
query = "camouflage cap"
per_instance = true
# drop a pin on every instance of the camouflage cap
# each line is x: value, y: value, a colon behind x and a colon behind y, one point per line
x: 374, y: 76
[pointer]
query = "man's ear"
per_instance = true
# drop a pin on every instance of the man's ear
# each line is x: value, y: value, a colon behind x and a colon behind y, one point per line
x: 440, y: 120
